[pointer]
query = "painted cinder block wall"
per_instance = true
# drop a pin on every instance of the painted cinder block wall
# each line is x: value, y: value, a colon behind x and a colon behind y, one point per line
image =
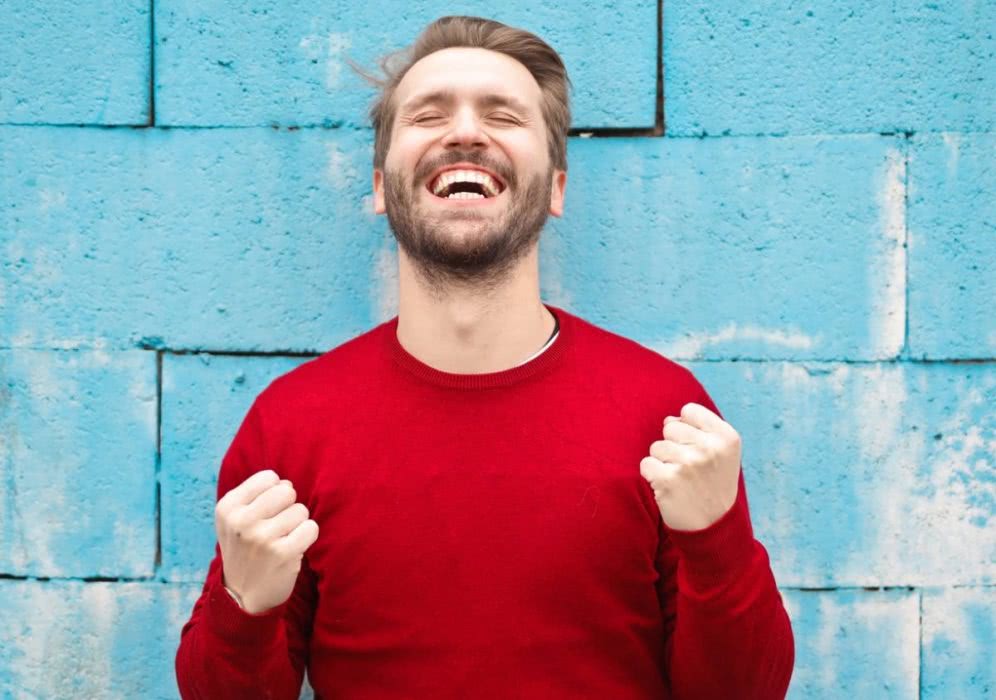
x: 803, y: 213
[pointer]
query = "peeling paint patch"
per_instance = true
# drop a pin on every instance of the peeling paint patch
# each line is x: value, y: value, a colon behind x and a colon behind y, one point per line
x: 935, y: 488
x: 959, y: 634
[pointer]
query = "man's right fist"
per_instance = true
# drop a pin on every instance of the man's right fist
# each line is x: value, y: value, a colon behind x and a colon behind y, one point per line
x: 263, y: 535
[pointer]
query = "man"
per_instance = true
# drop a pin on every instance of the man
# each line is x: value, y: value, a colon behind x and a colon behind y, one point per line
x: 486, y: 496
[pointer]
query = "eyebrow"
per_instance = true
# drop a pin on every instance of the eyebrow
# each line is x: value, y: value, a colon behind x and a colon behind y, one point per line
x: 447, y: 96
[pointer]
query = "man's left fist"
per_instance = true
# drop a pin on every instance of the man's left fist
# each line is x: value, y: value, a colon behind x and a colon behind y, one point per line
x: 695, y: 470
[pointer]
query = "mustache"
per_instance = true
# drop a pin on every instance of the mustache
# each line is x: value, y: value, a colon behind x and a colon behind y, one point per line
x: 475, y: 157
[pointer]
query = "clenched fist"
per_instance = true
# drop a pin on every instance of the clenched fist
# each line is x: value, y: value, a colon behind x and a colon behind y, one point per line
x: 263, y: 534
x: 695, y: 470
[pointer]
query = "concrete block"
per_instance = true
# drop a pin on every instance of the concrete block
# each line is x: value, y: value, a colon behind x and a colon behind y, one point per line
x: 959, y: 636
x: 246, y: 239
x: 854, y: 644
x: 952, y: 246
x: 866, y: 474
x: 239, y: 63
x: 69, y: 639
x: 77, y: 463
x: 75, y: 62
x: 760, y: 248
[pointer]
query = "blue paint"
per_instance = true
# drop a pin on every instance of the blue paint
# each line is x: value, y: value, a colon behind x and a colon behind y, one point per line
x: 952, y: 220
x: 830, y: 67
x: 235, y: 63
x: 68, y: 62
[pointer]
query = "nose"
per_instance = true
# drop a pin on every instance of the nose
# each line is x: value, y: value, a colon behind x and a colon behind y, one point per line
x: 466, y: 130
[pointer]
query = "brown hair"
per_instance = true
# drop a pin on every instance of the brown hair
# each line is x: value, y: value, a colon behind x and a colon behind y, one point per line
x: 536, y: 55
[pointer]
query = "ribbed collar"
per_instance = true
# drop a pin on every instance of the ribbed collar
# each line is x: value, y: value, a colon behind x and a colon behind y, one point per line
x: 549, y: 358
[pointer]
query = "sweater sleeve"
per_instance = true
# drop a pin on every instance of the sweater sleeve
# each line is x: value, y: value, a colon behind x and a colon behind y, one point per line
x: 226, y: 652
x: 726, y: 631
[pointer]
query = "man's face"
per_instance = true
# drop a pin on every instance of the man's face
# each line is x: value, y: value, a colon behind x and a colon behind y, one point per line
x: 461, y: 111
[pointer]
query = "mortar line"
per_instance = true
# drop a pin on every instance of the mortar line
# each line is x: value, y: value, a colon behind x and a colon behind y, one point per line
x: 659, y: 124
x: 919, y: 649
x: 906, y: 244
x: 159, y: 453
x: 152, y: 63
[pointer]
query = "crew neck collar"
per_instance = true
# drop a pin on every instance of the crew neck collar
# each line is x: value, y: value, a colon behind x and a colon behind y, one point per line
x: 543, y: 362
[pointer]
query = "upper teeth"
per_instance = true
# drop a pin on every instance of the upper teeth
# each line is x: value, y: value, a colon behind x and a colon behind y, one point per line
x: 451, y: 176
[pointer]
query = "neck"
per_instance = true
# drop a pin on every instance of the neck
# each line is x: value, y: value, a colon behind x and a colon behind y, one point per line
x: 473, y: 332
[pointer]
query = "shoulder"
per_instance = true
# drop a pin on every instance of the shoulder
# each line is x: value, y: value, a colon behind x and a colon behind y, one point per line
x: 625, y: 358
x: 326, y: 378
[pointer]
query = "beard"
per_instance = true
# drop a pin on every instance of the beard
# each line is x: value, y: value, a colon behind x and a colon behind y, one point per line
x: 463, y: 247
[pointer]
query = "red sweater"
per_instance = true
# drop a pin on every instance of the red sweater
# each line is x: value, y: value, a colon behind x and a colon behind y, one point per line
x: 489, y: 536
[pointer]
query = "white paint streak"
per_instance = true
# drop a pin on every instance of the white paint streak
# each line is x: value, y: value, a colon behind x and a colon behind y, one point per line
x: 385, y: 284
x: 874, y: 621
x: 948, y: 621
x: 952, y: 140
x: 555, y: 292
x: 340, y: 171
x: 877, y: 401
x: 100, y: 606
x: 692, y: 345
x: 825, y: 640
x: 51, y: 199
x: 328, y: 47
x: 887, y: 272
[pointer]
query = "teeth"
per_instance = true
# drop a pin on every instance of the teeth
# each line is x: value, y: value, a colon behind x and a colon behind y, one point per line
x: 465, y: 195
x: 483, y: 179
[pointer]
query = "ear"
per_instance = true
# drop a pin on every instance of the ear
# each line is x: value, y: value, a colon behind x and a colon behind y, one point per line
x: 559, y: 186
x: 378, y: 182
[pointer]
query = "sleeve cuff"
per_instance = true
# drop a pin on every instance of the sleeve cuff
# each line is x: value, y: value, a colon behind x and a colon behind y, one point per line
x: 239, y: 628
x: 720, y: 549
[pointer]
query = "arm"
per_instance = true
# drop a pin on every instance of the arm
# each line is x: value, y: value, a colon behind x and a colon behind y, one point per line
x: 726, y: 631
x: 226, y: 652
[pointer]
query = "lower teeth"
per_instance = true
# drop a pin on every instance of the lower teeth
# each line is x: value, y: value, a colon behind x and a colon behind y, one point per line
x: 465, y: 195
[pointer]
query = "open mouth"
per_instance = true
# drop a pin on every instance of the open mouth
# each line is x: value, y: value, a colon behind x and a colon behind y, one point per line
x: 465, y: 184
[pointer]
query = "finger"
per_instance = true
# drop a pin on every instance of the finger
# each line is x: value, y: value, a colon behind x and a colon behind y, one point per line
x: 286, y: 520
x: 655, y: 470
x: 671, y: 451
x: 301, y: 537
x: 249, y: 489
x: 698, y: 416
x: 680, y: 431
x: 271, y: 501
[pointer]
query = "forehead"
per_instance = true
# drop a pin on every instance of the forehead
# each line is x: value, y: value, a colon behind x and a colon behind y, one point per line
x: 468, y: 72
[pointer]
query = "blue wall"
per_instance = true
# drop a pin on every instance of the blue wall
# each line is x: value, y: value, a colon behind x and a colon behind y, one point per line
x: 185, y: 214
